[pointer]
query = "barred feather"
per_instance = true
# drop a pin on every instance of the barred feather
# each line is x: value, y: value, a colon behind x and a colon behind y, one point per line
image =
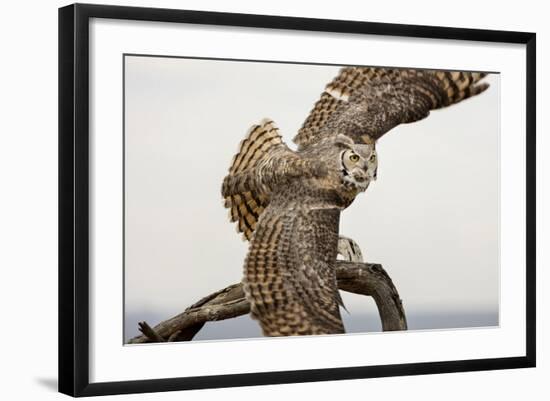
x: 244, y: 201
x: 366, y: 102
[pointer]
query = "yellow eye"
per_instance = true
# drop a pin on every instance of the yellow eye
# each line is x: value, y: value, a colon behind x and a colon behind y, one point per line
x: 372, y: 158
x: 354, y: 158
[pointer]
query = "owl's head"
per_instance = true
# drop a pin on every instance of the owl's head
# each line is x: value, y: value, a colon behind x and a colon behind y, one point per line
x: 359, y: 165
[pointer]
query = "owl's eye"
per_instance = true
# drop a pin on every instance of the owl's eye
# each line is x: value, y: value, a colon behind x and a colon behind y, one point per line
x: 372, y: 157
x: 354, y: 158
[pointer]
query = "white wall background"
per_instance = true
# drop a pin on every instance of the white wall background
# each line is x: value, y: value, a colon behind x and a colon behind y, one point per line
x: 28, y: 216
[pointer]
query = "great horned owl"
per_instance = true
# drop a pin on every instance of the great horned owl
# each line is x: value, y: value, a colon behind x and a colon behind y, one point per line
x: 288, y: 203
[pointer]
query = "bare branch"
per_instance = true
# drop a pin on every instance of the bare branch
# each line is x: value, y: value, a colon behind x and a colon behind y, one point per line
x: 372, y: 280
x: 359, y: 278
x: 150, y: 333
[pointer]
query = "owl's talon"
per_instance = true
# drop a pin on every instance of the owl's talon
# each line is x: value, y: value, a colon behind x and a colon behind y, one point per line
x: 349, y: 249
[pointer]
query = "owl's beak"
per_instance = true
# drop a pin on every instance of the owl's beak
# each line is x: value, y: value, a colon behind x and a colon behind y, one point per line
x: 360, y: 177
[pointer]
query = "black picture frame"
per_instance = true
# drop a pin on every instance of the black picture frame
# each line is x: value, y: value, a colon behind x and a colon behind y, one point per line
x: 74, y: 193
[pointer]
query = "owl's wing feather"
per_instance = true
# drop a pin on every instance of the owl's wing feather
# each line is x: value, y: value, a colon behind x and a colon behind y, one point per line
x: 246, y: 205
x: 289, y: 277
x: 262, y: 161
x: 366, y: 102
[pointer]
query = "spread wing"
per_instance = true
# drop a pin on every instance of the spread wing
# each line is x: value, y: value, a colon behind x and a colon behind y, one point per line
x: 362, y: 103
x: 366, y: 102
x: 262, y: 161
x: 289, y: 279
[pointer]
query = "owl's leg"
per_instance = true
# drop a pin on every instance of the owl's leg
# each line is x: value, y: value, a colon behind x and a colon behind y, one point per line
x: 349, y: 249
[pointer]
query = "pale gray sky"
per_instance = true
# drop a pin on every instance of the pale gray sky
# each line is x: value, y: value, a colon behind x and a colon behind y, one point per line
x: 431, y: 218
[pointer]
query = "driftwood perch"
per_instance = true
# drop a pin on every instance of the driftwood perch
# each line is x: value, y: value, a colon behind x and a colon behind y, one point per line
x: 355, y: 277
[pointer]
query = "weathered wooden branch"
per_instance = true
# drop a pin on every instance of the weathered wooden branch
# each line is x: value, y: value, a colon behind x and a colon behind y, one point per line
x: 359, y: 278
x: 372, y: 280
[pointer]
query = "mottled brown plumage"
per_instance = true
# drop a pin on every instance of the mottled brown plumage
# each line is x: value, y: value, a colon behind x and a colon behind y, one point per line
x: 288, y: 270
x: 366, y: 102
x: 288, y: 203
x: 263, y: 153
x: 289, y: 277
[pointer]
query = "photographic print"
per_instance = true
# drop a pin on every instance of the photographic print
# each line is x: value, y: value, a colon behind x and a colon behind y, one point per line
x: 283, y: 199
x: 230, y: 205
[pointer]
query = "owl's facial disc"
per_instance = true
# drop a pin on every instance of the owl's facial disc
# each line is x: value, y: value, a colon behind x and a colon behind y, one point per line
x: 359, y: 166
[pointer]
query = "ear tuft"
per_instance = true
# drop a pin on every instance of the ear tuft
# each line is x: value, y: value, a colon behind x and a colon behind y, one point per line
x: 369, y: 140
x: 344, y: 140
